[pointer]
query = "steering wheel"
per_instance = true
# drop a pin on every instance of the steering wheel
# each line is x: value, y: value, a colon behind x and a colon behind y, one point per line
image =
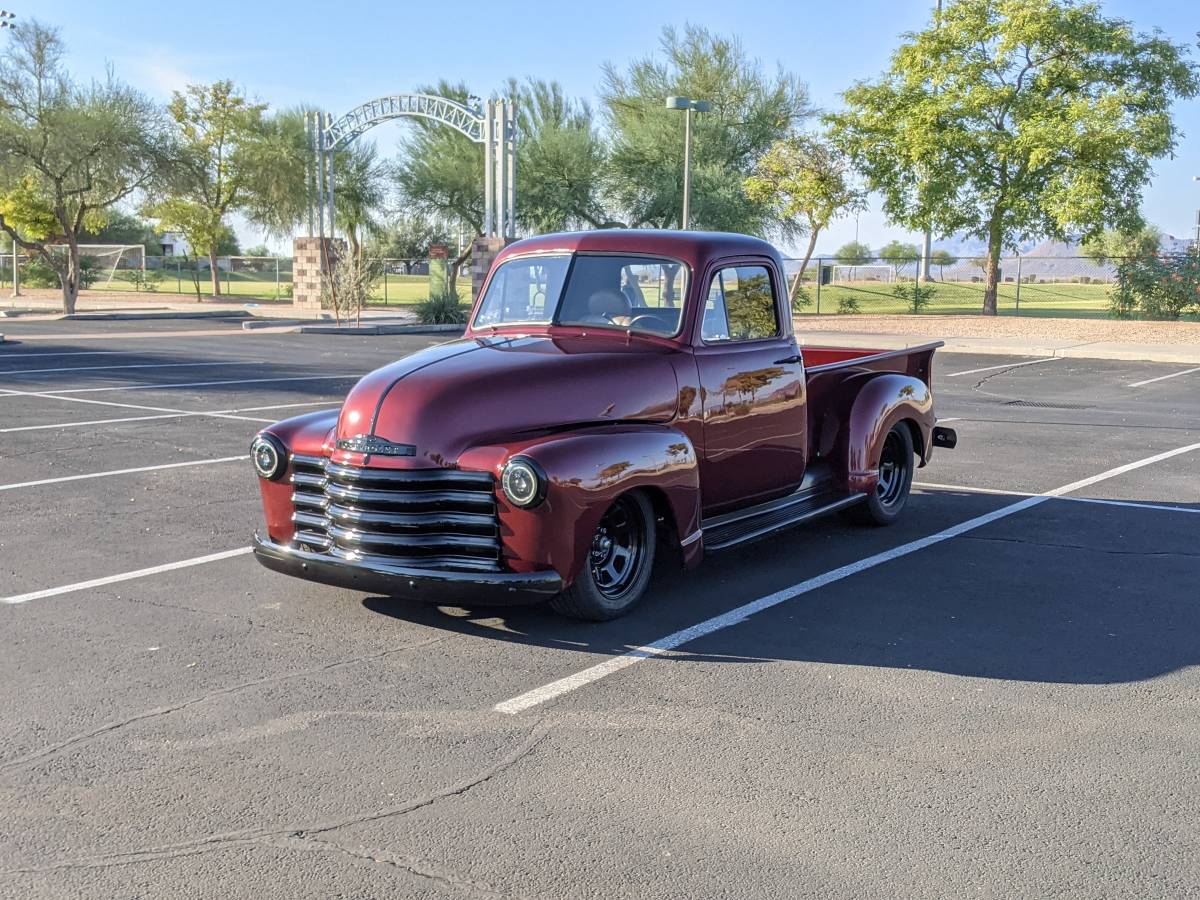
x: 649, y: 321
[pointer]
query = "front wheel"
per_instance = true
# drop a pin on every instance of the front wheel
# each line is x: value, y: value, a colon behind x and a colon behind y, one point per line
x: 884, y: 505
x: 618, y: 564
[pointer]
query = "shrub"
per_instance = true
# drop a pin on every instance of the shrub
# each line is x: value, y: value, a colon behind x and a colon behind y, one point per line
x: 347, y: 288
x: 1157, y: 287
x: 848, y: 306
x: 37, y: 273
x: 801, y: 298
x: 442, y: 308
x: 916, y: 295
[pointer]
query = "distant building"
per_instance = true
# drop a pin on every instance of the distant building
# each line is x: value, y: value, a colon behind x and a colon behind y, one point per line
x: 173, y: 244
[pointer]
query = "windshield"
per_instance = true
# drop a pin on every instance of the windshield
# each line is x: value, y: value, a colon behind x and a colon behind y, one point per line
x: 633, y: 293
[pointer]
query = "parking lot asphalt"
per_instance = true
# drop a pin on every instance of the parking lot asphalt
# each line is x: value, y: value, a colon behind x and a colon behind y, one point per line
x: 996, y: 697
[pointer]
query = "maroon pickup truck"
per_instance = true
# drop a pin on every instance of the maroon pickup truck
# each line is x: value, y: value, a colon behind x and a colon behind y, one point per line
x: 615, y: 392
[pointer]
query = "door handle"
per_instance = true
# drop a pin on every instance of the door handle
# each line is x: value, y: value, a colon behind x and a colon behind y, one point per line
x: 789, y: 360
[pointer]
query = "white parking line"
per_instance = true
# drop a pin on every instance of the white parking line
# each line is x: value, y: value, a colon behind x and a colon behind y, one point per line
x: 194, y: 365
x: 1032, y: 362
x: 1165, y: 377
x: 167, y: 385
x: 1132, y: 504
x: 735, y: 616
x: 221, y: 413
x: 161, y: 409
x: 13, y: 355
x: 175, y: 465
x: 125, y: 576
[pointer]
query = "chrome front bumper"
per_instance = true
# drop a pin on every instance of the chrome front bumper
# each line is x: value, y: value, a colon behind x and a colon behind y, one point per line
x: 428, y: 585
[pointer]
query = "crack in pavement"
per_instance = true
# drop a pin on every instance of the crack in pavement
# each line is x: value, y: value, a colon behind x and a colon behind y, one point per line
x: 298, y: 835
x: 420, y: 868
x: 86, y: 736
x: 1086, y: 549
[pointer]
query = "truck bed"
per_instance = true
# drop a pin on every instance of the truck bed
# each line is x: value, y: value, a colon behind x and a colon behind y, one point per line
x: 827, y: 369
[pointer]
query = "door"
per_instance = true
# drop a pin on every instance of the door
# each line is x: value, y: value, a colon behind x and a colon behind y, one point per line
x: 752, y: 389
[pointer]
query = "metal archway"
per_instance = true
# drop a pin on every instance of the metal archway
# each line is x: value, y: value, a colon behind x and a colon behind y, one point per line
x: 494, y: 126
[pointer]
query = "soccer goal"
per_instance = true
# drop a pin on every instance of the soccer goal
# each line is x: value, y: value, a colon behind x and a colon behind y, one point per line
x: 844, y: 274
x: 122, y: 262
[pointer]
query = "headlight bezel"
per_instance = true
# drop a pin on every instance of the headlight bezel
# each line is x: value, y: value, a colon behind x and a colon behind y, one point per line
x: 509, y: 473
x: 268, y: 443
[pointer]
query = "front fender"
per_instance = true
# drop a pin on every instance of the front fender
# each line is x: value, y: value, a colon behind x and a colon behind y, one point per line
x: 309, y: 435
x: 587, y: 470
x: 879, y: 403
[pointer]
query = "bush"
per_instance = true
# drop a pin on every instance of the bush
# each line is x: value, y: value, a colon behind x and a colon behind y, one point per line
x: 37, y: 273
x: 916, y: 295
x: 347, y: 288
x: 801, y: 298
x: 848, y: 306
x: 1157, y: 287
x: 442, y: 308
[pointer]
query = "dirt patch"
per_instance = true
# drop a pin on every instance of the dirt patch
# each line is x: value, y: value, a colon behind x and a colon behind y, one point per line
x: 1186, y: 333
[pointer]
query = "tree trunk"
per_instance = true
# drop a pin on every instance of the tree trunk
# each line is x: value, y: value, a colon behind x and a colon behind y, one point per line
x: 452, y: 275
x: 808, y: 252
x: 215, y: 272
x: 70, y: 281
x: 993, y: 266
x: 355, y: 246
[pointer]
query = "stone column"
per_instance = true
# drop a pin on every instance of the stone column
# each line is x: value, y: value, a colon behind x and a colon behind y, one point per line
x: 484, y: 251
x: 309, y: 261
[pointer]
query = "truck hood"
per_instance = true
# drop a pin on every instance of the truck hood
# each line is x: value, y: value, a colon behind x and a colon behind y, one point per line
x: 446, y: 399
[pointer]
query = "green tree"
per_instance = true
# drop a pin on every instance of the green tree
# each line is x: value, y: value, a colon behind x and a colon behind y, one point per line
x: 68, y: 153
x: 853, y: 254
x: 899, y: 252
x: 751, y: 110
x: 560, y: 159
x: 1015, y: 119
x: 220, y: 138
x: 359, y: 192
x: 408, y: 239
x: 276, y: 193
x: 440, y: 171
x: 807, y: 181
x: 121, y: 227
x: 943, y: 258
x: 1114, y: 246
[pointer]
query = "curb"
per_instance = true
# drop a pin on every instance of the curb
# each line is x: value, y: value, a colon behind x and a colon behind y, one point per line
x: 381, y: 329
x: 169, y: 314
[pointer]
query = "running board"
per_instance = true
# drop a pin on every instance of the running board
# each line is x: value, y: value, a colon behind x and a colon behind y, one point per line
x: 731, y: 529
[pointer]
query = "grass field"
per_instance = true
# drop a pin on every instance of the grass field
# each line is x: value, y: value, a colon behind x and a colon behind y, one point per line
x: 1062, y: 300
x: 391, y: 289
x: 1053, y: 299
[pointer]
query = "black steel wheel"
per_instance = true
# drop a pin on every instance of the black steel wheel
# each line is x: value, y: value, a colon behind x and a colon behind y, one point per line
x: 618, y: 565
x: 896, y: 466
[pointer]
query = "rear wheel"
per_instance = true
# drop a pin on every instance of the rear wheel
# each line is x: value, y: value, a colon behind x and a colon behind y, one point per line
x: 884, y: 505
x: 618, y: 564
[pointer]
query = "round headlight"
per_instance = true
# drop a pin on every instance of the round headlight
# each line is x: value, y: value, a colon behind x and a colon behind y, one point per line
x: 269, y: 457
x: 523, y: 482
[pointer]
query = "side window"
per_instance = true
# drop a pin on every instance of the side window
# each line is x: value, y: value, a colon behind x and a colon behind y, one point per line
x: 740, y: 306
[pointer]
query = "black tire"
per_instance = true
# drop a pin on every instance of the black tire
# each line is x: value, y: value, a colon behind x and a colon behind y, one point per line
x: 884, y: 505
x: 618, y: 565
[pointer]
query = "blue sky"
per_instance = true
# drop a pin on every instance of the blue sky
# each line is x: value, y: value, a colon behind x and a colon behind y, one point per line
x: 340, y: 54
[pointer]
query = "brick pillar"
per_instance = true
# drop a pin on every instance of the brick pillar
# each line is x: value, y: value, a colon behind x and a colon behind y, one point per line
x: 308, y: 264
x: 484, y: 251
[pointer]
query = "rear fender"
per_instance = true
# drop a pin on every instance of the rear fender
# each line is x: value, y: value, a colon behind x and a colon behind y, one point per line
x: 586, y: 470
x: 879, y: 402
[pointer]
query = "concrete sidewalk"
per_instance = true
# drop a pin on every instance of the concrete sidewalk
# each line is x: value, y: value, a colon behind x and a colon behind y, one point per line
x: 1036, y: 347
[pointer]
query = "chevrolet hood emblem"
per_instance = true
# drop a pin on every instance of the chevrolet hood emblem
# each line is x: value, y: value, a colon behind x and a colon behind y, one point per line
x: 375, y: 446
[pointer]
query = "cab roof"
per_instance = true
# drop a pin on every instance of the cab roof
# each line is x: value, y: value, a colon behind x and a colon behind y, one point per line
x: 692, y: 247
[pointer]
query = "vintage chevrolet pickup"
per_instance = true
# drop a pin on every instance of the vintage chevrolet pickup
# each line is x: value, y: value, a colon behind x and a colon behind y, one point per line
x: 615, y: 392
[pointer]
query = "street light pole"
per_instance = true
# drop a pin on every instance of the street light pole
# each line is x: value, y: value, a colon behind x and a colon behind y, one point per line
x: 927, y: 243
x: 1197, y: 241
x: 687, y: 105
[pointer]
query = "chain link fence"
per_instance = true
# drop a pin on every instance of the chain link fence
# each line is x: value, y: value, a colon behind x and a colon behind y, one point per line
x: 397, y: 282
x: 1074, y: 286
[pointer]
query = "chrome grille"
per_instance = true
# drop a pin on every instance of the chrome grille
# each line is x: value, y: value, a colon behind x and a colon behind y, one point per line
x: 425, y: 518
